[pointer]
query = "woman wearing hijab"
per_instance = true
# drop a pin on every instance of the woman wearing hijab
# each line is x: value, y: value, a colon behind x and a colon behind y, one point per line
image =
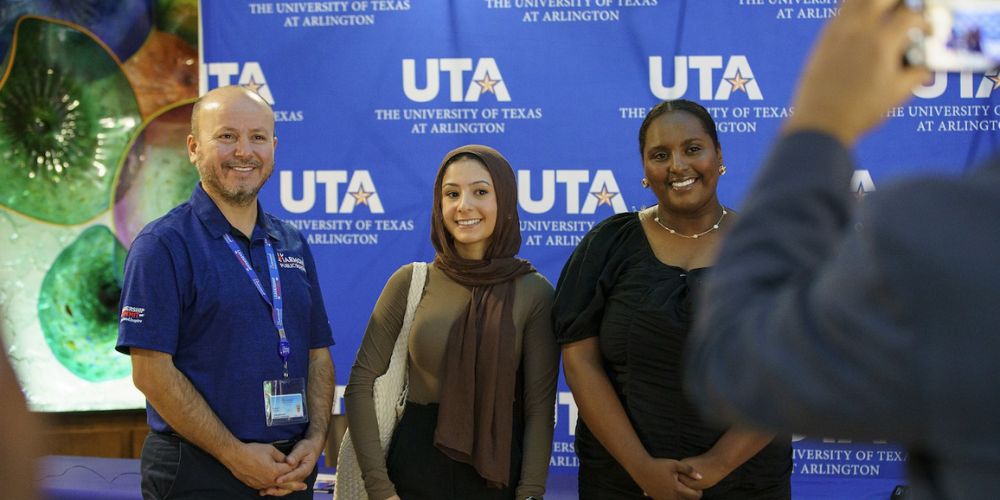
x: 622, y: 312
x: 482, y: 362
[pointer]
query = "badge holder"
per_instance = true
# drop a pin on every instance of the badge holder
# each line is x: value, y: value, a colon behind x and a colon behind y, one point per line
x: 285, y: 401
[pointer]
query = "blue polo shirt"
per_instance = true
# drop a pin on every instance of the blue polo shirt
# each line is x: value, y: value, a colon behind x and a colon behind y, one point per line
x: 186, y: 294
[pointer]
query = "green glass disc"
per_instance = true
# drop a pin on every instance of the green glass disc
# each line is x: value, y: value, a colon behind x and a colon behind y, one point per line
x: 78, y: 306
x: 67, y: 112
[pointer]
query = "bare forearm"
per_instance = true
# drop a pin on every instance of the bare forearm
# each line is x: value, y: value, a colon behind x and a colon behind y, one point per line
x: 321, y: 386
x: 735, y: 447
x: 738, y: 445
x: 181, y: 405
x: 603, y: 412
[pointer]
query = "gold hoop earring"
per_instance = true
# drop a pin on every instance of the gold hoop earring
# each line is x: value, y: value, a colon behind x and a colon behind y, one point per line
x: 722, y: 170
x: 645, y: 182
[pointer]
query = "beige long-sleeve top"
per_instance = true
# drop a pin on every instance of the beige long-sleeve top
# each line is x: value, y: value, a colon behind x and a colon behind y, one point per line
x: 442, y: 302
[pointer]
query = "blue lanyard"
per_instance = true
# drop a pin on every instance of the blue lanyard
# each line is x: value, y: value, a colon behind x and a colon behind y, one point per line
x: 284, y: 348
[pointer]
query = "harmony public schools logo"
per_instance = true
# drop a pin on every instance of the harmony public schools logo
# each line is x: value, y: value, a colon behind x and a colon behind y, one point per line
x: 132, y: 314
x: 290, y: 262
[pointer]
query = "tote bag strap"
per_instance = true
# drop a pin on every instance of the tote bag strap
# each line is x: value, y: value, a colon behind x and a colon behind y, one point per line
x: 400, y: 350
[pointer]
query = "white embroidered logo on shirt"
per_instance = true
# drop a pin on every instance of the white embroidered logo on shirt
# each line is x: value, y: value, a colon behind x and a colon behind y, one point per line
x: 289, y: 262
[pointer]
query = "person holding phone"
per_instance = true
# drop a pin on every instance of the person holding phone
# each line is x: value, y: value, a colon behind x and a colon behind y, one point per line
x: 876, y: 320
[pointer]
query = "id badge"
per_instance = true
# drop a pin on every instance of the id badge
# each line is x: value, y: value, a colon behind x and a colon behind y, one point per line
x: 285, y: 401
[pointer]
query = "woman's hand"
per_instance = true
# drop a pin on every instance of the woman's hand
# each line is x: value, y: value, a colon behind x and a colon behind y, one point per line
x: 659, y: 479
x: 736, y: 446
x: 711, y: 470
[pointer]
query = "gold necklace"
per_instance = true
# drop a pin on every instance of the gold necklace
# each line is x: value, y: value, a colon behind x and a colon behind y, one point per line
x: 714, y: 227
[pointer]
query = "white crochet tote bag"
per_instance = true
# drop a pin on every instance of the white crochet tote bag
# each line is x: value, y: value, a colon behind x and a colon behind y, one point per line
x: 390, y: 399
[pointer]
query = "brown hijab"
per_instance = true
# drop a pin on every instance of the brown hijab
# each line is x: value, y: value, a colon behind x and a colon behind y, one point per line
x: 477, y: 390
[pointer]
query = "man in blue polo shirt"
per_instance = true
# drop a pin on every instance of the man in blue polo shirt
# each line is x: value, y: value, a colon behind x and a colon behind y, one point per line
x: 222, y: 315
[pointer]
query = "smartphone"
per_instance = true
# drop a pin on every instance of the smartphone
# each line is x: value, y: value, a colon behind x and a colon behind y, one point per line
x: 964, y: 35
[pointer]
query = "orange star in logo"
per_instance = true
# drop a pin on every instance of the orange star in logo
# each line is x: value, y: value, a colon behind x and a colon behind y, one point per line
x: 995, y: 78
x: 487, y: 84
x: 604, y: 196
x: 361, y: 196
x: 738, y: 82
x: 253, y: 85
x: 860, y: 193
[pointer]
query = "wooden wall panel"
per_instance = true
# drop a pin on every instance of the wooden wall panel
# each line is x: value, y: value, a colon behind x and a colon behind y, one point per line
x: 111, y: 434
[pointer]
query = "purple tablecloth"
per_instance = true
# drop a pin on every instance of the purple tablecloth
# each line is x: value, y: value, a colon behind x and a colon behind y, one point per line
x: 89, y: 478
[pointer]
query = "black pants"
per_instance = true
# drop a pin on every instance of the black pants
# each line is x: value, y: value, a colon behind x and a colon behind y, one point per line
x: 175, y: 469
x: 420, y: 471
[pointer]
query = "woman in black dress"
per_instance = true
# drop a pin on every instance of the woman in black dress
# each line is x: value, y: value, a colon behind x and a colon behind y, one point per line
x: 622, y: 313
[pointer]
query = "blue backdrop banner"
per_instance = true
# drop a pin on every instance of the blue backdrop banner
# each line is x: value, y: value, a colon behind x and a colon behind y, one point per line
x: 370, y: 94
